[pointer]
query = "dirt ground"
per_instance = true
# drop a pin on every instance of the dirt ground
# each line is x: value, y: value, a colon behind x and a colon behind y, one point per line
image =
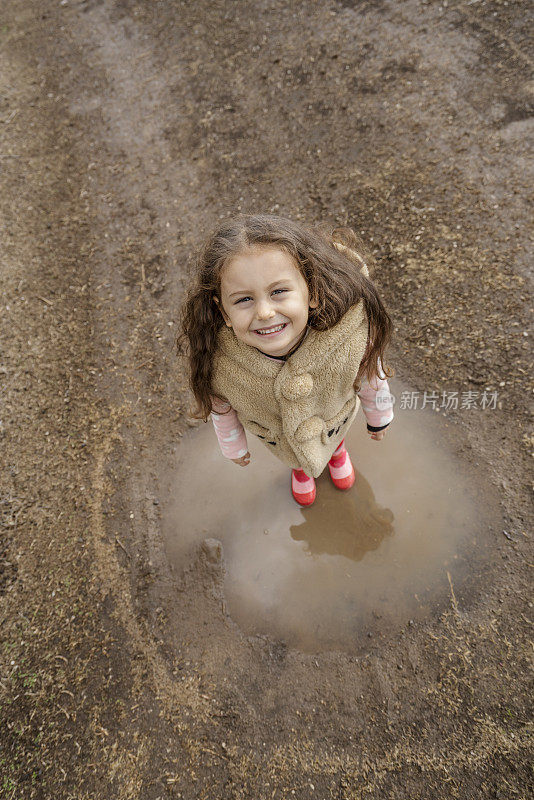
x: 127, y: 130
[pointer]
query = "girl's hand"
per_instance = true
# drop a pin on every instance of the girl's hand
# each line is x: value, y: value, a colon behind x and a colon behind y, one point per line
x: 377, y: 435
x: 244, y: 461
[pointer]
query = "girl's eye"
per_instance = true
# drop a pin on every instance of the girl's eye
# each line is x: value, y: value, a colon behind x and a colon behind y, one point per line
x: 244, y: 299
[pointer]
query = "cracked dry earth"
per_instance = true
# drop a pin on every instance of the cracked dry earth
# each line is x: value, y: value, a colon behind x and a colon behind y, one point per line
x: 128, y: 129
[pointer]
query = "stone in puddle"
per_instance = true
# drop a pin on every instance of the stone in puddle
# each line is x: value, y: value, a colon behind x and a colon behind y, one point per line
x: 212, y: 549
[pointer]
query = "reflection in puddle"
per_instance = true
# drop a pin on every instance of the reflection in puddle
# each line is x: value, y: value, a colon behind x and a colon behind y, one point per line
x: 355, y: 563
x: 360, y: 524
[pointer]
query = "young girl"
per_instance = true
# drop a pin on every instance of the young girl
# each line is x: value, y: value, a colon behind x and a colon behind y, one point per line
x: 286, y: 334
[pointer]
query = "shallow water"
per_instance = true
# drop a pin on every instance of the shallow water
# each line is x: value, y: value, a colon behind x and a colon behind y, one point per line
x: 353, y: 565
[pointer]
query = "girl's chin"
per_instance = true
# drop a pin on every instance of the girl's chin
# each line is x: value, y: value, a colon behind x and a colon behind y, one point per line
x: 275, y: 348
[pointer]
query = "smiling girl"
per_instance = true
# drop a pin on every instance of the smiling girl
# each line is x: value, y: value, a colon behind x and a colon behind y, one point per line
x: 286, y: 335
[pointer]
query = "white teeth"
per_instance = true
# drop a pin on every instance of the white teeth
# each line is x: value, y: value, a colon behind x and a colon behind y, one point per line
x: 270, y: 330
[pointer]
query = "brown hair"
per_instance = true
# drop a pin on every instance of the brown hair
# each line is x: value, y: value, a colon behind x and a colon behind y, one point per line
x: 329, y: 262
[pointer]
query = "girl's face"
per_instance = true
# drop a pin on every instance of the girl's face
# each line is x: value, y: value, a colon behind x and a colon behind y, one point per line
x: 265, y: 299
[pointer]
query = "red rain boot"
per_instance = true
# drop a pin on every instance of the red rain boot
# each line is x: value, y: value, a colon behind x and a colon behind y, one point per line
x: 302, y: 487
x: 341, y: 469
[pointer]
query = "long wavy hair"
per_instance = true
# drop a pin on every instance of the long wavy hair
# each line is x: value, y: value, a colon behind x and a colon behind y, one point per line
x: 330, y: 262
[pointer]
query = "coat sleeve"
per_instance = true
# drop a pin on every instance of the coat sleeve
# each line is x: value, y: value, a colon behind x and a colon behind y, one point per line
x: 377, y: 401
x: 229, y: 431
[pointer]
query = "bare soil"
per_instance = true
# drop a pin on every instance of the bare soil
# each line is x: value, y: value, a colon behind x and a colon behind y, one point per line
x: 127, y: 130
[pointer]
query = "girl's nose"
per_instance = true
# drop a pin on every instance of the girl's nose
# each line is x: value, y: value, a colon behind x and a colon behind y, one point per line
x: 264, y: 310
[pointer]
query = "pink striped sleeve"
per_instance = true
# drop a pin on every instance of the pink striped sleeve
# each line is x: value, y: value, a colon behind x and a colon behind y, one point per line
x: 230, y: 433
x: 376, y: 400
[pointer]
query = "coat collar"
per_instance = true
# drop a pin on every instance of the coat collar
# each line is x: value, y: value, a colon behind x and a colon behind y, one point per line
x: 317, y: 347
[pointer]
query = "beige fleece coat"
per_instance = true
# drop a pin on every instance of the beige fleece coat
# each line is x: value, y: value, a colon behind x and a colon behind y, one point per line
x: 303, y: 407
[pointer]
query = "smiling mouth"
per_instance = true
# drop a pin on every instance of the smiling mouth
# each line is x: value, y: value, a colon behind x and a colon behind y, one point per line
x: 270, y: 331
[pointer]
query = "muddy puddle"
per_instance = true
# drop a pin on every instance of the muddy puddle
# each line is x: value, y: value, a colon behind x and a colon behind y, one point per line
x: 356, y: 564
